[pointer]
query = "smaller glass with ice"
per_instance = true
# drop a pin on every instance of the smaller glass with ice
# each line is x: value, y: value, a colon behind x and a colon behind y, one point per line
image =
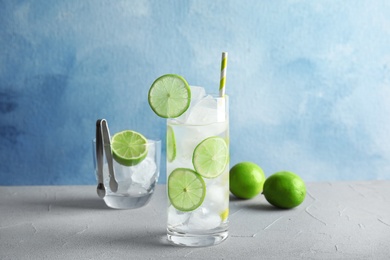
x: 198, y: 171
x: 135, y: 181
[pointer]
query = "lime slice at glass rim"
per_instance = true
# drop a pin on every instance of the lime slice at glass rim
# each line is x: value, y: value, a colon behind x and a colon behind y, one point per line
x: 171, y: 144
x: 210, y: 157
x: 186, y: 189
x: 169, y: 96
x: 129, y: 148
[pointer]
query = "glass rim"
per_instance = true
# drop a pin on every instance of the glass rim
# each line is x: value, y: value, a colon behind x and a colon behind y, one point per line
x: 150, y: 141
x: 217, y: 96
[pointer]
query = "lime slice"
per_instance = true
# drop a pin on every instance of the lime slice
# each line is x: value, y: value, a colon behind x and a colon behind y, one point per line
x: 171, y: 144
x: 169, y: 96
x: 129, y: 148
x: 186, y: 189
x: 224, y: 215
x: 210, y: 157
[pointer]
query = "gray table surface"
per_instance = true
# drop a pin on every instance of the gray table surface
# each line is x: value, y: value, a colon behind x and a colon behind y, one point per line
x: 349, y: 220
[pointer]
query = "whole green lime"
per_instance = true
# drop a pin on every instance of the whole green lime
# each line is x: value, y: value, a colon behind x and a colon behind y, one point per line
x: 284, y: 190
x: 246, y: 180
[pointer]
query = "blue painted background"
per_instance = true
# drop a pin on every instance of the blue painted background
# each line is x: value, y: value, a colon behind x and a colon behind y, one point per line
x: 309, y: 81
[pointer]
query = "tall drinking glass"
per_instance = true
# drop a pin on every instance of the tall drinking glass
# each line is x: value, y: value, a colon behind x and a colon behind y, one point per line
x: 198, y: 172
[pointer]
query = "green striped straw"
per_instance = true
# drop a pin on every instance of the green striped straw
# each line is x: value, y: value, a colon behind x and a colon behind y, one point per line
x: 222, y: 81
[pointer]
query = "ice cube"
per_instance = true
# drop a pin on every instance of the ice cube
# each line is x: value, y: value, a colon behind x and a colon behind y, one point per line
x: 222, y: 180
x: 197, y: 94
x: 136, y: 189
x: 124, y: 186
x: 207, y: 111
x: 187, y: 138
x: 144, y: 172
x: 179, y: 163
x: 203, y: 218
x: 122, y: 176
x: 186, y: 146
x: 122, y: 173
x: 177, y: 218
x: 204, y: 112
x: 217, y: 198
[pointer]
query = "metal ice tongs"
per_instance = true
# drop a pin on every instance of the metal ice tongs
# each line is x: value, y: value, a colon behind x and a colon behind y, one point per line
x: 103, y: 140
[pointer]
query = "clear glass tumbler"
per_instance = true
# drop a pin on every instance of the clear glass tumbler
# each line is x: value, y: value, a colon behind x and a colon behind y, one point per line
x: 135, y: 183
x: 198, y: 173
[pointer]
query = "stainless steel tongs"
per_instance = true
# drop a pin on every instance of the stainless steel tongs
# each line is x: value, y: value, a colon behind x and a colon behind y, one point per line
x: 103, y: 141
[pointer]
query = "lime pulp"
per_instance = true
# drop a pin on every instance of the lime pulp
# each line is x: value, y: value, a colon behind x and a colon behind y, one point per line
x: 129, y: 148
x: 210, y: 157
x: 169, y: 96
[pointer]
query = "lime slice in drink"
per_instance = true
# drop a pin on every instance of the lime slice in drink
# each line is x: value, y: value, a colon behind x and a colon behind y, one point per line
x: 224, y: 215
x: 186, y: 189
x: 171, y: 144
x: 210, y: 157
x: 169, y: 96
x: 129, y: 148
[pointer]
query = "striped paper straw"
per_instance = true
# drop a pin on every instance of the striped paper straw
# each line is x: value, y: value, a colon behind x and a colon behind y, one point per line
x: 222, y: 81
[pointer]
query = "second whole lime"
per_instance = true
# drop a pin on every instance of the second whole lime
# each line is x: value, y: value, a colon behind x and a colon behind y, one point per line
x: 284, y: 190
x: 246, y: 180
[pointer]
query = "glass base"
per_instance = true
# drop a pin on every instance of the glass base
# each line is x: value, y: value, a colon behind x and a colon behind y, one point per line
x: 196, y: 240
x: 126, y: 202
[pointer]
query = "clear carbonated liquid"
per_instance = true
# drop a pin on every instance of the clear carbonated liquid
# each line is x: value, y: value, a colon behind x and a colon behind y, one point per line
x: 207, y: 224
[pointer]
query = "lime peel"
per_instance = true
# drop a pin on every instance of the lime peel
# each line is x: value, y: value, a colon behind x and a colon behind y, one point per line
x: 284, y: 190
x: 171, y: 144
x: 246, y: 180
